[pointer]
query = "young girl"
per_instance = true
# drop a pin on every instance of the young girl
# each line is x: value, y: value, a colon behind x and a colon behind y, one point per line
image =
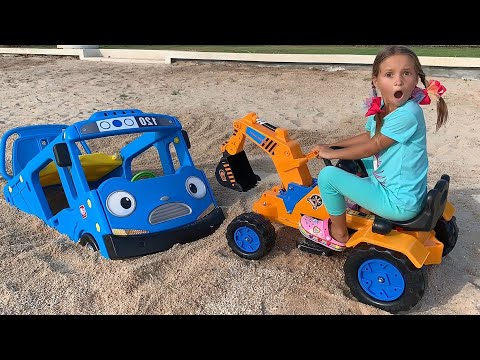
x: 394, y: 143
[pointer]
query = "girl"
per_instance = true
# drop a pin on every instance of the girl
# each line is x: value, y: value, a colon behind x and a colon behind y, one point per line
x: 395, y: 143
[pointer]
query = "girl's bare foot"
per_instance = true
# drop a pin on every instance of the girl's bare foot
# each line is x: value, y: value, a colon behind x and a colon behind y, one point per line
x: 340, y: 237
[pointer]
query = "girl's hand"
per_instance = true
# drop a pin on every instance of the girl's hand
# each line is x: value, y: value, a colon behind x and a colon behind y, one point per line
x: 324, y: 151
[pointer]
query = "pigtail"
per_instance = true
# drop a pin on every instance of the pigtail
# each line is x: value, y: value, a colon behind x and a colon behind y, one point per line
x: 375, y: 108
x: 378, y: 122
x: 435, y: 89
x: 442, y: 113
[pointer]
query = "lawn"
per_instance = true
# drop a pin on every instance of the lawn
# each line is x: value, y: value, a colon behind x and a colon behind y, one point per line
x: 426, y: 50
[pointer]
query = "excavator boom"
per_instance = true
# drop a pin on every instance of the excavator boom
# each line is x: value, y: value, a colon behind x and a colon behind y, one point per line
x: 234, y: 170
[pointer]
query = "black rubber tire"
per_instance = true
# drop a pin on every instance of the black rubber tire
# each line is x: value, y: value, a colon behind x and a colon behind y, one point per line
x: 415, y: 279
x: 447, y: 233
x: 262, y: 227
x: 89, y: 242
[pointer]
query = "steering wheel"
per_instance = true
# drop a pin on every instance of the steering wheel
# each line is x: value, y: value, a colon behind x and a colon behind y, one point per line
x: 355, y: 167
x: 143, y: 175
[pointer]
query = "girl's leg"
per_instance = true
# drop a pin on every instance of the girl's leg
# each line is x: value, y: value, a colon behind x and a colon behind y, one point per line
x: 368, y: 163
x: 338, y: 228
x: 330, y: 180
x: 335, y: 184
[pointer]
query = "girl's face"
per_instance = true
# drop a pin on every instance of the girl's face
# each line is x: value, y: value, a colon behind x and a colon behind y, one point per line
x: 396, y: 80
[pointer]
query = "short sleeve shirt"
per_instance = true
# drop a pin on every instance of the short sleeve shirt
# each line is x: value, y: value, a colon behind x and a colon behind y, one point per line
x: 402, y: 168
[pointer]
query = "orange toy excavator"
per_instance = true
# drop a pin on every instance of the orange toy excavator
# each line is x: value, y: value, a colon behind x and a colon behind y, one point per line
x: 385, y: 267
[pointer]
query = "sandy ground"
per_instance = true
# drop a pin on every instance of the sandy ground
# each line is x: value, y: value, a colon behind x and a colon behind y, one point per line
x: 44, y: 272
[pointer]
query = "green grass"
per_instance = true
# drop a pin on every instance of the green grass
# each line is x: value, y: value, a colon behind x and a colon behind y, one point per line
x: 426, y: 50
x: 449, y: 51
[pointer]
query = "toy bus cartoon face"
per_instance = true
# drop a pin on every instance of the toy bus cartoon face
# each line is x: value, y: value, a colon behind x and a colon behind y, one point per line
x: 143, y: 194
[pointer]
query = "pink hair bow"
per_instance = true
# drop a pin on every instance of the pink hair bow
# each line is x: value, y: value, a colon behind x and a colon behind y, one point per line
x: 435, y: 89
x: 374, y: 105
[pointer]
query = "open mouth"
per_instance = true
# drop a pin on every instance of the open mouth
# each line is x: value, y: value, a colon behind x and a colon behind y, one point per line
x: 398, y: 94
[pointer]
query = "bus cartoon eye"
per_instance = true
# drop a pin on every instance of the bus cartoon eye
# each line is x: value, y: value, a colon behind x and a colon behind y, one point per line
x: 121, y: 203
x: 195, y: 187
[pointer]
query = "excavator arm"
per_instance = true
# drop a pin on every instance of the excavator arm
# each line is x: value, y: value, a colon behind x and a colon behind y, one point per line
x: 234, y: 170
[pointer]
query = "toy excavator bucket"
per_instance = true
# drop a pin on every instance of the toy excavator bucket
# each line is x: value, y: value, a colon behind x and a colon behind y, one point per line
x: 234, y: 172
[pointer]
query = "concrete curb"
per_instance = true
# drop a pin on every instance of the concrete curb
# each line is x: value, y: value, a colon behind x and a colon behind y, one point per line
x: 169, y: 56
x: 28, y: 51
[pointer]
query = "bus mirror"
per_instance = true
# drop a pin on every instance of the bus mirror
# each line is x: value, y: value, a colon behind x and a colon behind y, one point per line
x: 62, y: 156
x: 185, y: 137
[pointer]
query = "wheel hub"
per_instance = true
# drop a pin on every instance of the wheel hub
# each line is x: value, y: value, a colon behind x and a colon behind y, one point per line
x: 381, y: 280
x: 246, y: 239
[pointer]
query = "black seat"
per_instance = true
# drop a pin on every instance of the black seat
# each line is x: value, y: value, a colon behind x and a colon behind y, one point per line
x: 427, y: 218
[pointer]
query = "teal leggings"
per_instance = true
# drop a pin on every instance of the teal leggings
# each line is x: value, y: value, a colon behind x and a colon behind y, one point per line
x: 335, y: 184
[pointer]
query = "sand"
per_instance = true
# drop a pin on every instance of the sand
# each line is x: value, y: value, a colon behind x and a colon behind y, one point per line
x: 44, y: 272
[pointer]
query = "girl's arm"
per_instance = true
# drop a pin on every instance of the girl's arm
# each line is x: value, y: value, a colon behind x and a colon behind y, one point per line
x: 364, y: 137
x: 357, y: 150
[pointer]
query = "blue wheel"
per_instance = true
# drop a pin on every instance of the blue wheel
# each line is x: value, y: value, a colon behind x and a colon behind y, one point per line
x: 251, y: 236
x: 381, y: 280
x: 246, y: 239
x: 384, y: 278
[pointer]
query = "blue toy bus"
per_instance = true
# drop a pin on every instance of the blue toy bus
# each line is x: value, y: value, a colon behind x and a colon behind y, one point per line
x: 99, y: 199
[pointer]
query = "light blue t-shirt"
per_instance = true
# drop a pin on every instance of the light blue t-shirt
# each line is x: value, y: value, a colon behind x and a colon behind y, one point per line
x: 402, y: 168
